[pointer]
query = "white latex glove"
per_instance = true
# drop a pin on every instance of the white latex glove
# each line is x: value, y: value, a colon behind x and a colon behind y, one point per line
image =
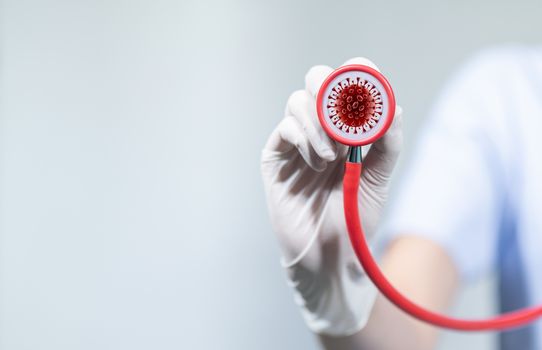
x: 302, y: 170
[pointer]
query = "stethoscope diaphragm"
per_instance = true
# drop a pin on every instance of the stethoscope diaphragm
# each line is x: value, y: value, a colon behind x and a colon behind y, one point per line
x: 355, y: 105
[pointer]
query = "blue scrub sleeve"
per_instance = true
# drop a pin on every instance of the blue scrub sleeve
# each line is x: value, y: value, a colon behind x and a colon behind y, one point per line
x: 451, y: 192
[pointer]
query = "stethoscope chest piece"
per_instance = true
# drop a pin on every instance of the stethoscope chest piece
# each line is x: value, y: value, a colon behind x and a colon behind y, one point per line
x: 355, y: 105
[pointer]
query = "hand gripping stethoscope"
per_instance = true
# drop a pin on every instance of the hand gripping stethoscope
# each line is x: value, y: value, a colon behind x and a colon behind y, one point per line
x: 355, y: 107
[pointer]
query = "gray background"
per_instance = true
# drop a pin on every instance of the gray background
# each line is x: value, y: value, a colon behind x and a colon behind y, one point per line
x: 132, y: 213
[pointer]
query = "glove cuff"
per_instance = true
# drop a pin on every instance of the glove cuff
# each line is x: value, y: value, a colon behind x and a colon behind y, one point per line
x: 335, y: 300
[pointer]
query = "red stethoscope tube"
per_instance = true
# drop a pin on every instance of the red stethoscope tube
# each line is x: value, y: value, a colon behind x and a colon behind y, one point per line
x: 350, y: 189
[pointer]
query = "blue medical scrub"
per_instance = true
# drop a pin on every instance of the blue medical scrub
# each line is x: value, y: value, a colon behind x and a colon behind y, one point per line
x: 474, y: 182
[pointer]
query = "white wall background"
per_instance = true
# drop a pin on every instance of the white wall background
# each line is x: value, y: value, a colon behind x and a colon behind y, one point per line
x: 131, y: 209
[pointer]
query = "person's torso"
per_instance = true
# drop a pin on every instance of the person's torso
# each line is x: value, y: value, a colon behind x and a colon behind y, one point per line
x: 520, y: 240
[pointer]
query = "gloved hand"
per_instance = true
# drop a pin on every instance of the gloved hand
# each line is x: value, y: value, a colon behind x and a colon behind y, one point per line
x: 302, y: 171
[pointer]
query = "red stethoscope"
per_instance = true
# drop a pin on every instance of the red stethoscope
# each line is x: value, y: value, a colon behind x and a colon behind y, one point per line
x: 355, y: 107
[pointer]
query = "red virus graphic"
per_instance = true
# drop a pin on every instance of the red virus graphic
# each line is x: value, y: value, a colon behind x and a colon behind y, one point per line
x: 355, y: 105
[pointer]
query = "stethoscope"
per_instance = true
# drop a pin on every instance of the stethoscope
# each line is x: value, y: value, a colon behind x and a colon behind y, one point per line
x: 356, y: 106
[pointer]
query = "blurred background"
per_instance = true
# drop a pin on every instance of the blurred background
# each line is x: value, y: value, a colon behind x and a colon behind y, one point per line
x: 131, y: 208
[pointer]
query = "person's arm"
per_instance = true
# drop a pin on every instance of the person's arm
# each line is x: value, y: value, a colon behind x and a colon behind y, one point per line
x: 445, y: 221
x: 424, y: 272
x: 302, y: 172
